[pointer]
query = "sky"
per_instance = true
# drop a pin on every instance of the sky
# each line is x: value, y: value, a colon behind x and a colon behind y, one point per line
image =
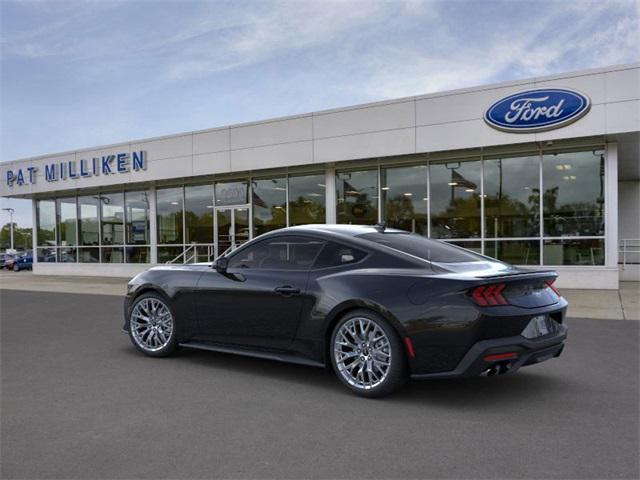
x: 86, y: 73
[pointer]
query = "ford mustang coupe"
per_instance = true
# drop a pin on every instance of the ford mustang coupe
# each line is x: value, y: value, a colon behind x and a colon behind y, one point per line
x: 377, y: 305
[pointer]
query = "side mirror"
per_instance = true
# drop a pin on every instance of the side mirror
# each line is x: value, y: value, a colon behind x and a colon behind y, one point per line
x: 221, y: 264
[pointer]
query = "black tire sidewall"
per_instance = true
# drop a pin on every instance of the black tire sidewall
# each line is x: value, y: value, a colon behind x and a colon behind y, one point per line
x: 171, y: 346
x: 397, y: 375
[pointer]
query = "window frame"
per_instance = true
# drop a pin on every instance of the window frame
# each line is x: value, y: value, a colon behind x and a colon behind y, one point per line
x: 271, y: 238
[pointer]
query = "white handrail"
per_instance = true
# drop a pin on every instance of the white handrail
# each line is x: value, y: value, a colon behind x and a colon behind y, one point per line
x: 626, y: 246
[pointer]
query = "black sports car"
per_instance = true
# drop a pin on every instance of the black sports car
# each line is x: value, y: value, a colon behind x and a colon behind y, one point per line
x: 376, y: 304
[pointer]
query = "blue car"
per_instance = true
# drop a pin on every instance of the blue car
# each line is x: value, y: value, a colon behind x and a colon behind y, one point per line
x: 23, y: 262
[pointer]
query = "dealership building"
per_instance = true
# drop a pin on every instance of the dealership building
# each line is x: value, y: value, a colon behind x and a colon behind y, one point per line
x: 541, y: 172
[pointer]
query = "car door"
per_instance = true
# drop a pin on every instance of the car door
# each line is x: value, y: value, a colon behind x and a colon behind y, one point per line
x: 257, y: 301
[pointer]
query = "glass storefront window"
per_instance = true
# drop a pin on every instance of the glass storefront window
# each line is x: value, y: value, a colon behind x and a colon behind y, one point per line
x: 269, y: 199
x: 137, y: 254
x: 516, y: 252
x: 112, y: 254
x: 512, y: 197
x: 574, y: 252
x: 307, y: 199
x: 169, y: 207
x: 112, y: 218
x: 46, y: 217
x: 455, y: 199
x: 475, y: 246
x: 573, y: 199
x: 67, y: 254
x: 88, y: 226
x: 405, y: 199
x: 232, y: 193
x: 166, y: 254
x: 89, y: 255
x: 357, y: 197
x: 47, y: 254
x: 198, y: 213
x: 67, y: 221
x: 137, y: 218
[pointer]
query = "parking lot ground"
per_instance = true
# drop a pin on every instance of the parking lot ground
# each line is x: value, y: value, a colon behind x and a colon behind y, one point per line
x: 79, y: 402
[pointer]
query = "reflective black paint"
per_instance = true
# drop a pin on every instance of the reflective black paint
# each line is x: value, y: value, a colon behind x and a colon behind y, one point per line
x: 428, y: 302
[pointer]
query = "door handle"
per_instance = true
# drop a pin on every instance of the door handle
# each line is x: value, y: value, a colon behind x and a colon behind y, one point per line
x: 287, y: 290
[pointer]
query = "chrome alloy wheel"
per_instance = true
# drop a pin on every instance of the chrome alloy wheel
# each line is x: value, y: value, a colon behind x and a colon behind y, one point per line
x: 362, y: 353
x: 151, y: 324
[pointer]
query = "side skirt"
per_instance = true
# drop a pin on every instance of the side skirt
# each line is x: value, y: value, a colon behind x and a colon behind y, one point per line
x: 278, y: 356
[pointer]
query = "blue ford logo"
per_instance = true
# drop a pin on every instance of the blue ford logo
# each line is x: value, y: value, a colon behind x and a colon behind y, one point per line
x: 537, y: 110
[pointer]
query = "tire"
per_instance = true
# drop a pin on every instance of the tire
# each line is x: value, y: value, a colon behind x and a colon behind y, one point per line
x: 16, y: 268
x: 368, y: 368
x: 153, y: 310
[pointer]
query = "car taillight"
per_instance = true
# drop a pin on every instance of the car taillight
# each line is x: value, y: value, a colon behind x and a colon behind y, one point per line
x: 550, y: 284
x: 489, y: 295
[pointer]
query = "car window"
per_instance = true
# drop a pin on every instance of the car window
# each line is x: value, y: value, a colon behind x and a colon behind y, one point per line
x: 419, y: 246
x: 335, y: 254
x: 280, y: 253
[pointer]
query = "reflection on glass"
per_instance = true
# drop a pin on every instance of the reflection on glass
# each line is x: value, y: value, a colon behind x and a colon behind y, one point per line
x: 474, y: 246
x: 169, y: 207
x: 225, y: 233
x: 137, y: 218
x: 404, y: 198
x: 112, y: 205
x: 573, y: 198
x: 269, y: 199
x: 574, y: 252
x: 112, y: 255
x: 307, y: 199
x: 241, y: 225
x: 46, y: 222
x: 357, y: 194
x: 512, y: 197
x: 89, y: 255
x: 67, y: 212
x: 47, y: 254
x: 137, y: 254
x: 166, y: 254
x: 517, y: 252
x: 198, y: 213
x: 232, y: 193
x: 67, y: 254
x: 455, y: 199
x: 88, y: 221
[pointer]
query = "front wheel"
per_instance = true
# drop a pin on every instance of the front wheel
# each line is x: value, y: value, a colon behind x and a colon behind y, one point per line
x: 16, y: 268
x: 152, y: 327
x: 367, y: 354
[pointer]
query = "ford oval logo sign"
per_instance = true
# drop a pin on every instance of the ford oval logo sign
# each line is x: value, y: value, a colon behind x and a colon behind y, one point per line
x: 537, y: 110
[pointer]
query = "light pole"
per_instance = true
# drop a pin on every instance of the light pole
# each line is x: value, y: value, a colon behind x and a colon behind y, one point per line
x: 11, y: 212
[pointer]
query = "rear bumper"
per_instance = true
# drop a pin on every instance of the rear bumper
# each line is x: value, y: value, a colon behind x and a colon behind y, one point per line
x: 528, y: 352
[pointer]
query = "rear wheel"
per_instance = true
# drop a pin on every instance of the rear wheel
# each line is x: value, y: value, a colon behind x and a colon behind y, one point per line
x: 367, y: 354
x: 152, y: 326
x: 16, y: 268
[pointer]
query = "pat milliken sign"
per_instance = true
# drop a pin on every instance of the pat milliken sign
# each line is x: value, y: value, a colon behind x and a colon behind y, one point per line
x: 537, y: 110
x: 115, y: 164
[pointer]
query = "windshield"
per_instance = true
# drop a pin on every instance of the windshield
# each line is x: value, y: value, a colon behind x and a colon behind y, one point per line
x: 419, y: 246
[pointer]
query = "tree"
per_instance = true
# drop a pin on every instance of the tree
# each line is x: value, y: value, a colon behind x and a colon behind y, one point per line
x: 21, y: 237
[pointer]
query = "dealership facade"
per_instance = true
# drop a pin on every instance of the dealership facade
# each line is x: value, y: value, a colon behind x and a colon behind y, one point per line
x: 540, y: 172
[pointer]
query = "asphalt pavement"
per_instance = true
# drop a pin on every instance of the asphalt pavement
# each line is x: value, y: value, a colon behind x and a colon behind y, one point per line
x: 78, y: 401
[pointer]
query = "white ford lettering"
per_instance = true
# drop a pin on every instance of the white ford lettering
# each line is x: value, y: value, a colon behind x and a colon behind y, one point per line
x: 523, y: 109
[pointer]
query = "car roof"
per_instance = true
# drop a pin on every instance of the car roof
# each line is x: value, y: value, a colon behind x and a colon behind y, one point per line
x: 345, y: 230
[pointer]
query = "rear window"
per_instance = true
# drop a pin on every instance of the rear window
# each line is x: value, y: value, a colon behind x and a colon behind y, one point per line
x: 419, y: 246
x: 335, y: 254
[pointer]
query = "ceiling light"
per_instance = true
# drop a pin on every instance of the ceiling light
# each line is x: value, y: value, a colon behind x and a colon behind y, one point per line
x: 321, y: 185
x: 559, y: 167
x: 408, y: 194
x: 175, y: 203
x: 469, y: 190
x: 567, y: 166
x: 572, y: 177
x: 386, y: 188
x: 452, y: 184
x: 565, y: 177
x: 425, y: 198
